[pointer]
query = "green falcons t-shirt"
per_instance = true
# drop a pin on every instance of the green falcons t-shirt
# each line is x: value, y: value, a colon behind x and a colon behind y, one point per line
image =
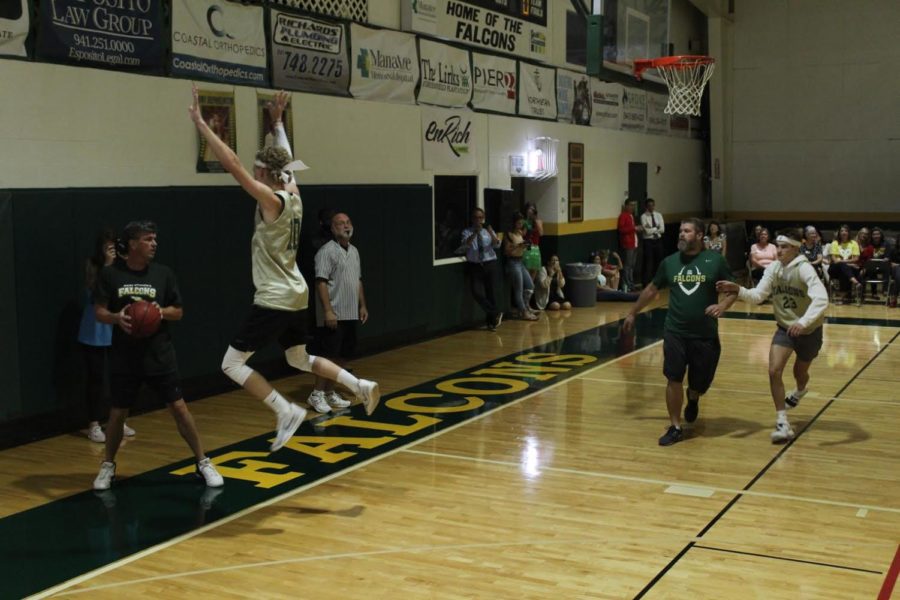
x: 692, y: 287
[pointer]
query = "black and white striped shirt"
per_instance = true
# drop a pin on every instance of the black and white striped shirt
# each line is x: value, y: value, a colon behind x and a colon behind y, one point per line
x: 341, y: 269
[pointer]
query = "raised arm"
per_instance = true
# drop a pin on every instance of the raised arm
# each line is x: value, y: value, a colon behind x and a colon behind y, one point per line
x: 276, y: 112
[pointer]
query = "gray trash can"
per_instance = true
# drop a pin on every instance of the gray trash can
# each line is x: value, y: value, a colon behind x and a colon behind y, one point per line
x: 581, y: 284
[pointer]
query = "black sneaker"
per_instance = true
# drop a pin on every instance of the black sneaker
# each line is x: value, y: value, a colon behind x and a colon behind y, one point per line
x: 692, y: 409
x: 673, y: 435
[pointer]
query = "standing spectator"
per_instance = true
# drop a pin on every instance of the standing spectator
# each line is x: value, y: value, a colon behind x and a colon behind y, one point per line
x: 150, y: 360
x: 534, y: 229
x: 895, y: 275
x: 844, y: 267
x: 715, y: 239
x: 514, y: 246
x: 654, y: 227
x: 628, y: 241
x: 762, y: 254
x: 812, y: 248
x: 550, y: 283
x: 95, y: 339
x: 481, y: 243
x: 340, y: 306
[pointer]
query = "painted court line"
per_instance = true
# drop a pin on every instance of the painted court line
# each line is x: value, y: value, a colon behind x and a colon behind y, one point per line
x: 690, y: 490
x: 888, y: 587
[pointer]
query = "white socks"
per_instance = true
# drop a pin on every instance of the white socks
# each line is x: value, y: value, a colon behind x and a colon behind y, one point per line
x: 781, y: 416
x: 277, y: 402
x: 798, y: 393
x: 346, y: 378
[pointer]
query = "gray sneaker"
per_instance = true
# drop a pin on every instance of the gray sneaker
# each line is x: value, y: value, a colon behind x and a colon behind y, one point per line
x: 105, y: 476
x: 207, y: 471
x: 783, y: 433
x: 288, y: 423
x: 318, y: 402
x: 369, y: 395
x: 336, y: 401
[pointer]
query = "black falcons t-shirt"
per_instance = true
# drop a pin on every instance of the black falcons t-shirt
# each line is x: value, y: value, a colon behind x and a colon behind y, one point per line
x: 119, y: 286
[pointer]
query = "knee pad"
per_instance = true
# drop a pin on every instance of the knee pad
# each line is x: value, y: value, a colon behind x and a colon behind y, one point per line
x: 235, y: 365
x: 299, y: 359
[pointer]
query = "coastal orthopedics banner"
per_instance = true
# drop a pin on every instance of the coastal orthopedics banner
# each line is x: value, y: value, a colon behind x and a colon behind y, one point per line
x: 114, y: 35
x: 517, y: 27
x: 309, y: 55
x: 384, y: 65
x: 573, y: 97
x: 445, y: 75
x: 537, y: 91
x: 219, y: 41
x: 448, y: 141
x: 606, y: 99
x: 14, y: 24
x: 634, y: 110
x: 495, y: 83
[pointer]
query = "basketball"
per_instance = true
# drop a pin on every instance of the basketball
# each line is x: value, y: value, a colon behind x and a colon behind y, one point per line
x: 145, y: 318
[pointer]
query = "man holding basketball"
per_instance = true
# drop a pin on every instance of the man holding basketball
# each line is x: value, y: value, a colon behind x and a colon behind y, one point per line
x: 799, y: 301
x: 147, y: 359
x: 282, y: 296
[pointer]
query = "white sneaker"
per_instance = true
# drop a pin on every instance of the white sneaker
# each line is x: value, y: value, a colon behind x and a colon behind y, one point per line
x: 369, y: 395
x: 288, y: 423
x: 95, y: 434
x: 128, y: 431
x: 207, y: 471
x: 318, y: 403
x: 336, y: 401
x: 782, y: 433
x: 105, y: 476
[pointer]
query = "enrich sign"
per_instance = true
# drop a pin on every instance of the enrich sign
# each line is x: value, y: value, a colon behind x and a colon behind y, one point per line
x: 448, y: 141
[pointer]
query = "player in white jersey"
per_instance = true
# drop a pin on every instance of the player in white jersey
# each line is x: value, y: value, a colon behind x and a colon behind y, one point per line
x: 799, y: 300
x: 282, y: 296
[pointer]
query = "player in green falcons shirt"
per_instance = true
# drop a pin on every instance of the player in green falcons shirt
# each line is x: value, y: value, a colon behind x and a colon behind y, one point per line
x: 799, y: 300
x: 691, y: 331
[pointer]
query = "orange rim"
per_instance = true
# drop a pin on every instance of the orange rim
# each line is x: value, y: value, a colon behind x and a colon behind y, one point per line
x: 672, y: 62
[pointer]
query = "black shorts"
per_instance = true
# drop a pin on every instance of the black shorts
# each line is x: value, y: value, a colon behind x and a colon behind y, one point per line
x: 698, y: 356
x: 264, y: 325
x: 806, y: 346
x: 335, y: 343
x: 124, y: 387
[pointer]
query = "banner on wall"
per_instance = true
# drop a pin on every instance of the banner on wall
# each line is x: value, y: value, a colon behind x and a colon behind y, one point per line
x: 14, y: 24
x: 517, y: 27
x: 494, y: 79
x: 309, y: 55
x: 217, y: 109
x: 679, y: 126
x: 446, y: 75
x: 634, y: 110
x: 606, y: 100
x: 384, y: 65
x: 657, y: 119
x: 448, y: 141
x: 573, y: 97
x: 114, y: 35
x: 219, y: 41
x: 537, y: 91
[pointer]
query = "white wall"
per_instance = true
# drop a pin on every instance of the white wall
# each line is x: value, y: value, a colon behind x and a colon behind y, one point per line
x: 815, y: 95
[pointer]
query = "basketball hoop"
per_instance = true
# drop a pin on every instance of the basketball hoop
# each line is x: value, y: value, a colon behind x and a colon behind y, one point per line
x: 686, y: 76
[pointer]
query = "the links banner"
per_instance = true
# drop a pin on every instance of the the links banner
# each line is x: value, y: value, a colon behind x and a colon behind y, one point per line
x: 446, y: 75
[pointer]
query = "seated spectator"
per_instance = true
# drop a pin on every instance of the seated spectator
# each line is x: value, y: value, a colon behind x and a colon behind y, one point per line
x: 605, y: 290
x: 549, y: 290
x: 715, y: 238
x: 754, y: 236
x: 895, y: 275
x: 520, y: 283
x: 812, y: 249
x: 762, y: 253
x: 874, y: 258
x: 844, y: 258
x: 610, y: 266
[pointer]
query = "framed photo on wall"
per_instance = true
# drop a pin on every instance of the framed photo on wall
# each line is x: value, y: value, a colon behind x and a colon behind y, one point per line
x: 576, y: 152
x: 576, y: 192
x: 576, y: 212
x: 576, y: 172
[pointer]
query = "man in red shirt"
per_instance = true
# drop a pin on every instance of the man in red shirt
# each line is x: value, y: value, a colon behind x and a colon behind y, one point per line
x: 628, y: 242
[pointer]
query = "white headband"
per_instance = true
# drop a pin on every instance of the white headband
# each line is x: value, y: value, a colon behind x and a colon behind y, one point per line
x: 297, y: 165
x: 786, y: 240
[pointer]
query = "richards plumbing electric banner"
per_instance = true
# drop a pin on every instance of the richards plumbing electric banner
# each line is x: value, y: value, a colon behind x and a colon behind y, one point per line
x: 115, y: 35
x: 14, y: 24
x: 446, y: 75
x: 309, y: 55
x: 517, y: 27
x: 219, y: 41
x: 385, y: 65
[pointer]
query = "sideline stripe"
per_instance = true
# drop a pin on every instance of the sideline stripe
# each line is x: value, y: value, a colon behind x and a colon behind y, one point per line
x: 796, y: 560
x: 888, y: 587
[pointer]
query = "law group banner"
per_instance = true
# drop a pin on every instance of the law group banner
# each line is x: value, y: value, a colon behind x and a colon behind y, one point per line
x: 448, y: 141
x: 384, y: 65
x: 517, y: 27
x: 14, y: 25
x: 679, y: 126
x: 217, y: 109
x: 537, y: 91
x: 634, y: 110
x: 309, y: 55
x: 573, y: 97
x: 446, y: 75
x: 494, y: 79
x: 114, y: 35
x: 219, y: 41
x: 657, y: 119
x: 606, y: 101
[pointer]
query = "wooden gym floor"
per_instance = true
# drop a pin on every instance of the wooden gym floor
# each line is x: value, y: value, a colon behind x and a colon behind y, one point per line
x: 517, y: 464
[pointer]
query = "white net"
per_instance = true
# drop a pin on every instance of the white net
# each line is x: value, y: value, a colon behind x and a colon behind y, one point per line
x: 354, y: 10
x: 686, y: 82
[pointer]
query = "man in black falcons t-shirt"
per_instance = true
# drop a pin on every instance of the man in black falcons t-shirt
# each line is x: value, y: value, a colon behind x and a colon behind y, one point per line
x: 150, y: 360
